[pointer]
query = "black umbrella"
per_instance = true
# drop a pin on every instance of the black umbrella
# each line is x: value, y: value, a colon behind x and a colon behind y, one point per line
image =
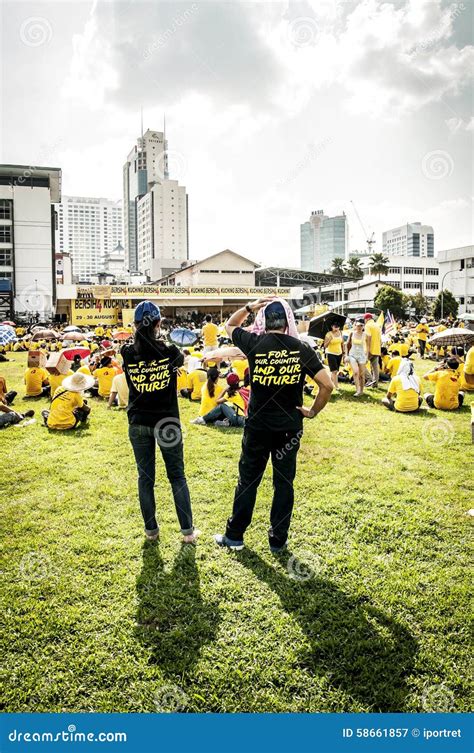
x: 320, y: 325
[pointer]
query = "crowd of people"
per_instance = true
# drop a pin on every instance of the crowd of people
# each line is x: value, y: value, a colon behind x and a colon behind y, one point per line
x: 249, y: 377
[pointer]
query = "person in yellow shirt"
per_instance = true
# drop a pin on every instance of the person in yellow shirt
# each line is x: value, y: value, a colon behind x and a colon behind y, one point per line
x: 209, y: 333
x: 239, y: 365
x: 394, y: 363
x: 333, y: 347
x: 68, y: 407
x: 99, y: 331
x: 384, y: 374
x: 209, y: 391
x: 447, y: 394
x: 37, y: 382
x: 181, y: 382
x: 55, y: 380
x: 405, y: 388
x: 467, y: 375
x: 230, y: 407
x: 105, y: 376
x: 196, y: 379
x: 422, y: 330
x: 119, y: 392
x: 374, y: 346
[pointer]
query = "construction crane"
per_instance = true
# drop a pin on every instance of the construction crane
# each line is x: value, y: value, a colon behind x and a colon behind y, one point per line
x: 370, y: 241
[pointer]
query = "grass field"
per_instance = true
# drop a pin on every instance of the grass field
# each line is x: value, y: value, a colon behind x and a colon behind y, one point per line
x: 368, y: 611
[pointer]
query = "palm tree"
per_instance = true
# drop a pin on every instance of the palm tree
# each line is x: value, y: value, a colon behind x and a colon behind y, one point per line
x: 338, y: 266
x: 378, y: 265
x: 354, y: 269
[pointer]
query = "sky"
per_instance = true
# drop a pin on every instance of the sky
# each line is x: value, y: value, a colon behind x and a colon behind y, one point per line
x: 272, y: 110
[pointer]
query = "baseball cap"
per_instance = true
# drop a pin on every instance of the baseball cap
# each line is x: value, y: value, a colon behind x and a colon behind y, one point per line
x: 368, y: 316
x: 275, y: 307
x: 147, y: 310
x: 232, y: 379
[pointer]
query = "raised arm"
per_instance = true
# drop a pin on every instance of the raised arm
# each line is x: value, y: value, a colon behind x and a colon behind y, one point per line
x: 239, y: 316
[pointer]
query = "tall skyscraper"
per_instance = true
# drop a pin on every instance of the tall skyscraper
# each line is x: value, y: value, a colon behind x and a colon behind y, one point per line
x: 412, y: 239
x: 88, y: 229
x: 146, y: 163
x: 155, y: 210
x: 323, y: 239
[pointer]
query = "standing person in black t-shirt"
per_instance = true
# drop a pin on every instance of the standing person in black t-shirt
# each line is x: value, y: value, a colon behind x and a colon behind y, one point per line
x: 278, y: 365
x: 153, y: 416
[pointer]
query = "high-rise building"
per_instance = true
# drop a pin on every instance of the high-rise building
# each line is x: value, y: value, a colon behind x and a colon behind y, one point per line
x: 412, y: 239
x: 88, y: 229
x: 27, y: 236
x: 162, y: 229
x: 323, y: 239
x: 147, y: 163
x: 156, y: 210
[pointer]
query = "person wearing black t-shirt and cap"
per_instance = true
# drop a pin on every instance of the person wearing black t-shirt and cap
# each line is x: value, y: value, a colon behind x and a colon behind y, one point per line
x: 278, y: 364
x: 153, y: 416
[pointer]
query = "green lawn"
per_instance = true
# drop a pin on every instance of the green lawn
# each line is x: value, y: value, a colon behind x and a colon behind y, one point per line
x: 368, y: 611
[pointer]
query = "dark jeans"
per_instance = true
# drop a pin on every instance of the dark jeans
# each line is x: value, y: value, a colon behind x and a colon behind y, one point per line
x: 257, y: 447
x: 144, y: 440
x: 224, y: 411
x: 422, y: 344
x: 9, y: 419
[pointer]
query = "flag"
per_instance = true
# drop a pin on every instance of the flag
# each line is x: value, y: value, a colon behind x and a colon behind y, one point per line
x: 380, y: 320
x: 390, y: 324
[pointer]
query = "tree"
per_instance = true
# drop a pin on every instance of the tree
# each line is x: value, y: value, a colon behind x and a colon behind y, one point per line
x: 420, y: 303
x: 353, y: 268
x: 378, y: 265
x: 450, y: 305
x: 389, y: 298
x: 337, y: 267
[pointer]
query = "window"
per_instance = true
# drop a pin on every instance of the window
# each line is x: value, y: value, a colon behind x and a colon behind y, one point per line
x: 5, y: 234
x: 432, y: 271
x: 5, y: 209
x: 413, y: 285
x: 394, y: 270
x: 432, y: 286
x: 413, y: 270
x: 6, y: 257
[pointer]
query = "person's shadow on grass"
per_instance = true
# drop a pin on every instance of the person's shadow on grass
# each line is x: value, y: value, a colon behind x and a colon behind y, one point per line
x: 362, y: 651
x: 173, y: 619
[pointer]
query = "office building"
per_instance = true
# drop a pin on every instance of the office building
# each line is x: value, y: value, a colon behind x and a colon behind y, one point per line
x: 323, y: 239
x: 88, y: 229
x: 412, y: 239
x: 27, y: 237
x: 162, y: 229
x: 456, y: 270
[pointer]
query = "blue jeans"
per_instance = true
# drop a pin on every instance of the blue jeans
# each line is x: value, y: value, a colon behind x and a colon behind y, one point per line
x: 144, y: 440
x: 224, y: 411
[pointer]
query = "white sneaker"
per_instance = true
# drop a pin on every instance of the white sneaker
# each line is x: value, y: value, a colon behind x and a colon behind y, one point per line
x: 198, y: 421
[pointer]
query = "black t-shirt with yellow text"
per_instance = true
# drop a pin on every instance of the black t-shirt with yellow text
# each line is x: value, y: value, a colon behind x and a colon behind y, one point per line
x: 278, y: 366
x: 152, y: 383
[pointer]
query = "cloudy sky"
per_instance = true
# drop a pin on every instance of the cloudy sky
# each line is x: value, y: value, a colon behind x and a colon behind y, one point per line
x: 272, y: 110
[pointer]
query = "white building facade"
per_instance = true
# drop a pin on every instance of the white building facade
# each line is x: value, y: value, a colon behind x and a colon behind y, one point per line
x: 411, y: 276
x: 412, y: 239
x: 162, y: 229
x: 88, y: 229
x: 27, y: 236
x: 456, y: 269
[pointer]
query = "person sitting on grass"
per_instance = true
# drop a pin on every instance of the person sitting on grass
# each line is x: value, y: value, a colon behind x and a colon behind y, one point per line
x: 230, y: 408
x: 394, y: 363
x: 76, y: 363
x: 37, y: 382
x: 68, y: 407
x: 467, y: 376
x: 119, y: 391
x: 56, y: 380
x: 6, y: 397
x: 10, y: 417
x: 405, y: 387
x: 209, y: 392
x: 105, y: 375
x: 196, y: 379
x: 447, y: 394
